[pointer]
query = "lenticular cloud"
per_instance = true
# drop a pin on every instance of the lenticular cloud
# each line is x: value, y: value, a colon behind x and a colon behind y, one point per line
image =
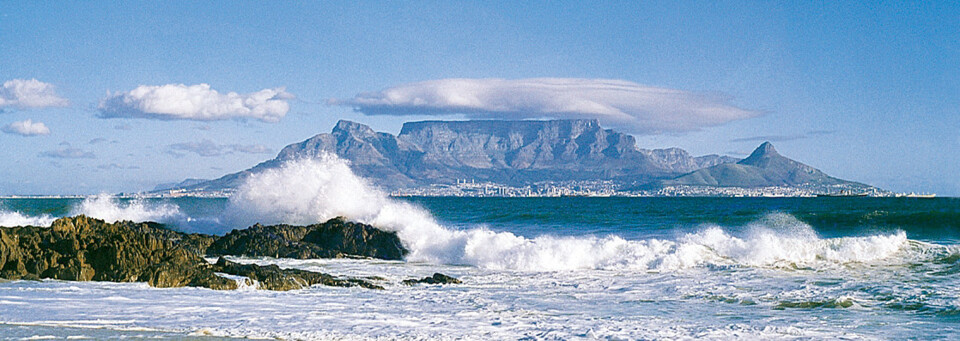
x: 619, y: 103
x: 195, y: 102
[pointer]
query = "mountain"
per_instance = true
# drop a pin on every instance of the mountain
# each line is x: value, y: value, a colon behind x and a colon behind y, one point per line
x: 507, y: 152
x: 763, y: 168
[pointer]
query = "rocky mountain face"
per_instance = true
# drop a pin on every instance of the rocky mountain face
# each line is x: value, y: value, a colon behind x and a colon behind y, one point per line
x: 763, y: 168
x: 508, y: 152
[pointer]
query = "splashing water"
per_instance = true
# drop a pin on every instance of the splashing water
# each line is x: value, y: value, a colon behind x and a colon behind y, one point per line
x: 111, y: 209
x: 8, y: 218
x: 308, y: 191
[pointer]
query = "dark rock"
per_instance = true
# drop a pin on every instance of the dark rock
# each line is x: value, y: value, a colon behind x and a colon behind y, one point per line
x: 83, y: 249
x: 272, y: 277
x: 336, y: 238
x: 437, y: 278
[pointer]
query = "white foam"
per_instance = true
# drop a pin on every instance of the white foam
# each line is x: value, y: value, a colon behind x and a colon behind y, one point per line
x: 111, y: 209
x: 308, y: 191
x: 10, y: 219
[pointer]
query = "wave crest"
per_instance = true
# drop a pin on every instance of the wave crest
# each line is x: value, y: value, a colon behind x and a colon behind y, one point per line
x: 10, y: 219
x: 112, y: 209
x: 308, y: 191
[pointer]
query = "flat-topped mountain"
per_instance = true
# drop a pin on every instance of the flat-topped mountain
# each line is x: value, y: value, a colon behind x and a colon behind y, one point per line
x: 763, y: 168
x: 508, y: 152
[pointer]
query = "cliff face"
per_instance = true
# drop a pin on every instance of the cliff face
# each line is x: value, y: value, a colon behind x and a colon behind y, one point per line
x: 509, y: 152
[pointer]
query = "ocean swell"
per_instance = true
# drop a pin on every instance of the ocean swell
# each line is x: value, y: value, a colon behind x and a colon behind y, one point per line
x: 307, y: 191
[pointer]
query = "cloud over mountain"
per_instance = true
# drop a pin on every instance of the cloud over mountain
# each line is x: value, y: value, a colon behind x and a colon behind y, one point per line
x: 30, y: 93
x: 26, y: 128
x: 195, y: 102
x: 636, y: 107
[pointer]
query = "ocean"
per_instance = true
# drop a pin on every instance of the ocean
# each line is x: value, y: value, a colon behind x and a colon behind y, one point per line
x: 534, y: 269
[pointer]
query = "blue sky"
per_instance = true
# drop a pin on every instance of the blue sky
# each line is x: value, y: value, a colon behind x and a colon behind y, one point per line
x: 867, y: 92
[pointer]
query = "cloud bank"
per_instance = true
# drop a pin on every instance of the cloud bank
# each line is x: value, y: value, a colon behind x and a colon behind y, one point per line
x: 639, y: 108
x: 30, y: 93
x: 26, y: 128
x: 195, y: 102
x: 68, y: 153
x: 207, y: 148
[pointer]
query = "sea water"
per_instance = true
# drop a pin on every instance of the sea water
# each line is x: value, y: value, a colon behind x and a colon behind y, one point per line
x: 533, y: 268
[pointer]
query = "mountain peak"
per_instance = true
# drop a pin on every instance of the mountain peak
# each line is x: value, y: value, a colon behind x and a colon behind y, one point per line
x: 764, y: 150
x: 353, y: 128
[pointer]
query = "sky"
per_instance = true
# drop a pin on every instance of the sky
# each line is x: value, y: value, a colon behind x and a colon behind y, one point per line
x: 122, y: 96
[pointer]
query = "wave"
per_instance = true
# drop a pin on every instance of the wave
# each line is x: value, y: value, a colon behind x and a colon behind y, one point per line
x: 112, y: 209
x: 8, y: 219
x: 307, y: 191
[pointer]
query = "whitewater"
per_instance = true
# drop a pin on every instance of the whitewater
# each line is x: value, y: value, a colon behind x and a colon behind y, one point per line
x: 530, y: 270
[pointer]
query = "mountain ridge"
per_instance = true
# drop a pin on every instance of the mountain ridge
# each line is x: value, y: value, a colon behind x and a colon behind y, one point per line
x: 521, y: 153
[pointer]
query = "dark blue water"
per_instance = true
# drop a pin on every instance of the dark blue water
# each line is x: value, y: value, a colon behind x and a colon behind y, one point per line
x: 932, y: 220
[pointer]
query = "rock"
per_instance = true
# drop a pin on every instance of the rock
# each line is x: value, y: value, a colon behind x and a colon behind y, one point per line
x: 272, y: 277
x: 437, y: 278
x: 336, y: 238
x: 84, y: 249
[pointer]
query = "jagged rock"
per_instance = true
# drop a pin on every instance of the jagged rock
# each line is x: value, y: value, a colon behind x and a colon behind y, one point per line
x: 83, y: 249
x: 272, y: 277
x: 437, y: 278
x: 336, y: 238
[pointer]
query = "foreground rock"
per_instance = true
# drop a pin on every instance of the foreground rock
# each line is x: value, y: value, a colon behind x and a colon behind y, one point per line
x: 272, y: 277
x: 336, y: 238
x: 437, y: 278
x: 84, y: 249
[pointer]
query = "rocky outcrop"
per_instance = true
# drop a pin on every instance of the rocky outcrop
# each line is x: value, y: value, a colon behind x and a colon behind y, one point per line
x: 336, y: 238
x: 272, y: 277
x: 437, y: 278
x: 86, y: 249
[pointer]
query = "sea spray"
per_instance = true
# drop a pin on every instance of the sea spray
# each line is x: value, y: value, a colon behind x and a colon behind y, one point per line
x: 9, y: 219
x: 307, y: 191
x: 112, y: 209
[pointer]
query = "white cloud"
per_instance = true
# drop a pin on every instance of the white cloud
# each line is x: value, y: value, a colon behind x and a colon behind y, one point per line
x: 195, y: 102
x: 636, y: 107
x: 26, y: 128
x: 30, y: 93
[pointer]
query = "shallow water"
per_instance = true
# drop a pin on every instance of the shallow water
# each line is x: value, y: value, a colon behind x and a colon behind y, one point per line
x: 562, y: 268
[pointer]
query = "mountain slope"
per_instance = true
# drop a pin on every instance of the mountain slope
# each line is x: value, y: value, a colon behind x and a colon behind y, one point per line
x: 508, y: 152
x: 763, y: 168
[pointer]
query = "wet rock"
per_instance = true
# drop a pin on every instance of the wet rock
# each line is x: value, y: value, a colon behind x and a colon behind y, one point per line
x: 336, y: 238
x: 437, y: 278
x: 83, y: 249
x: 272, y: 277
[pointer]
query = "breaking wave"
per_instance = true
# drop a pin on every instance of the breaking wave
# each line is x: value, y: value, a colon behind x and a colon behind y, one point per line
x: 9, y: 219
x: 112, y: 209
x: 308, y: 191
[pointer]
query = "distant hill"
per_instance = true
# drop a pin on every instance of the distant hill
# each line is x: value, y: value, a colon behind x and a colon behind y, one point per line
x: 763, y: 168
x: 507, y: 152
